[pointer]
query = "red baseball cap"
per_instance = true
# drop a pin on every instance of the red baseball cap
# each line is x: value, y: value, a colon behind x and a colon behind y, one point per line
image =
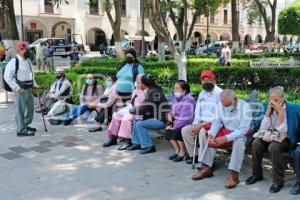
x: 23, y: 45
x: 207, y: 74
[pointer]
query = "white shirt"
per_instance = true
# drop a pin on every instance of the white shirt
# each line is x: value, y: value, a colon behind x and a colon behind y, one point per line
x: 226, y: 52
x: 25, y: 72
x: 206, y: 105
x: 56, y: 91
x: 237, y: 120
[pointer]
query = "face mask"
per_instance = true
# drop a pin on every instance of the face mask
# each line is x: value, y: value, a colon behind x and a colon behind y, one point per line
x: 58, y: 76
x: 208, y: 86
x: 229, y: 109
x: 89, y: 81
x: 129, y: 60
x: 108, y: 84
x: 177, y: 94
x: 27, y: 54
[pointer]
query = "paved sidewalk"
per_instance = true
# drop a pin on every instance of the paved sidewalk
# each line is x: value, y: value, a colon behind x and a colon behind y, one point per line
x: 68, y: 163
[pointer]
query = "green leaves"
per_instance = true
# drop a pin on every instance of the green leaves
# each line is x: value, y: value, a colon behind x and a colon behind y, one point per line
x: 289, y: 20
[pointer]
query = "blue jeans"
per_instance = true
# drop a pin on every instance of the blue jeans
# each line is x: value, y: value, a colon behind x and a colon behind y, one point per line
x: 76, y: 112
x: 140, y: 134
x: 297, y: 163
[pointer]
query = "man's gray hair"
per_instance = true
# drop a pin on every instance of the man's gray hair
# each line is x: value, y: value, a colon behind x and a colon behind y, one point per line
x: 277, y: 90
x: 228, y: 94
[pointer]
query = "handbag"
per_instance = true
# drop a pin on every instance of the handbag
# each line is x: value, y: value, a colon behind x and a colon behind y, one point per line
x: 270, y: 135
x: 222, y: 132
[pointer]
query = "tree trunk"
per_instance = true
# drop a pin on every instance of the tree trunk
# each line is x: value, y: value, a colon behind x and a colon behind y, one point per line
x: 10, y: 32
x: 181, y: 62
x: 161, y: 50
x: 235, y: 27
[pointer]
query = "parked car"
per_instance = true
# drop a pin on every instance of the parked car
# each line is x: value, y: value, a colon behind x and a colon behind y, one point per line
x: 258, y: 46
x: 292, y: 46
x: 213, y: 48
x: 65, y: 46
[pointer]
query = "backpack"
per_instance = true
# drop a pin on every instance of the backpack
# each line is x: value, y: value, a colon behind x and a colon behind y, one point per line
x: 5, y: 85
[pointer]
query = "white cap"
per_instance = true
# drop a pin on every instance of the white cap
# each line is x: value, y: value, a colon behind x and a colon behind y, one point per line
x: 60, y: 69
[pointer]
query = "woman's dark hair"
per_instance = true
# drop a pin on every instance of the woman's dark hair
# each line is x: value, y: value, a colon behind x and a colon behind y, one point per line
x: 94, y: 88
x: 113, y: 77
x: 149, y: 80
x: 132, y: 52
x: 184, y: 86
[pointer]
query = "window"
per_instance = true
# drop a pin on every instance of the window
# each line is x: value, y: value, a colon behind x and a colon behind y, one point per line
x: 212, y: 18
x: 94, y: 7
x: 123, y: 8
x: 225, y: 16
x: 49, y: 6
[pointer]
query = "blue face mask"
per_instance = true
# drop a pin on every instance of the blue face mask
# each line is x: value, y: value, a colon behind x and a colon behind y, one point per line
x: 177, y: 94
x: 229, y: 109
x: 89, y: 81
x: 109, y: 84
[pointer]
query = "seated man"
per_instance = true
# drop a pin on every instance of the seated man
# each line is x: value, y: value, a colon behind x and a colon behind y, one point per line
x: 60, y: 89
x: 204, y: 113
x: 234, y: 115
x: 284, y: 117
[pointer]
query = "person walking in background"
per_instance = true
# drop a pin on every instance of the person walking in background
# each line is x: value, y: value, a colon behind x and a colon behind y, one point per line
x: 226, y: 53
x: 49, y: 57
x: 3, y: 50
x: 20, y: 78
x: 40, y: 56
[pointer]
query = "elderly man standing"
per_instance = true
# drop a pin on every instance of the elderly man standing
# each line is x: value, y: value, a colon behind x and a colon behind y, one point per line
x: 205, y: 110
x: 20, y: 78
x: 234, y: 115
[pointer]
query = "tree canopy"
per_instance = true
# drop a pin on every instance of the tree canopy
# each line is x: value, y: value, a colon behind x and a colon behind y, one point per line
x: 289, y: 20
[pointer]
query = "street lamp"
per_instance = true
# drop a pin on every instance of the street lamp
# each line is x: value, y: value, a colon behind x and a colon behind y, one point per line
x: 143, y: 28
x: 22, y: 21
x: 207, y: 35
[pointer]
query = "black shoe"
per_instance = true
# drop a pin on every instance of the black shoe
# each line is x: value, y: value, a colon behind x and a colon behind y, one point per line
x: 31, y: 129
x: 296, y: 189
x: 253, y: 179
x: 275, y: 187
x: 111, y: 141
x: 148, y: 150
x: 55, y: 122
x: 67, y: 122
x: 25, y: 134
x: 173, y: 156
x: 134, y: 147
x: 178, y: 159
x: 95, y: 129
x: 189, y: 160
x: 126, y: 144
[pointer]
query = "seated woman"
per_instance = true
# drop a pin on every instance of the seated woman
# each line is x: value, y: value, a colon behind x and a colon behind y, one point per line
x: 91, y: 93
x: 282, y: 118
x: 122, y: 120
x: 154, y: 110
x: 107, y: 105
x: 182, y: 114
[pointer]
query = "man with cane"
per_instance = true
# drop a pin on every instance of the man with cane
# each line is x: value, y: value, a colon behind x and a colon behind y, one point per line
x: 19, y: 76
x: 205, y: 112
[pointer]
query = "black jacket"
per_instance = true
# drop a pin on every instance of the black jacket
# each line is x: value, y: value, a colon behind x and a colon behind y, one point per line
x: 155, y: 105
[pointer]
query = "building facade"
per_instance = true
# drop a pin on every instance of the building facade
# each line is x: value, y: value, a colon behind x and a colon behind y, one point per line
x: 42, y: 19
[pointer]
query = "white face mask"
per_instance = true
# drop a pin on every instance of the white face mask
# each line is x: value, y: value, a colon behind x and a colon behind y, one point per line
x: 177, y: 94
x: 135, y: 84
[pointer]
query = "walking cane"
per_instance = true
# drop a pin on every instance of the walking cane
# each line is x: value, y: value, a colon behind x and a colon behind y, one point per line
x: 40, y: 104
x: 194, y: 153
